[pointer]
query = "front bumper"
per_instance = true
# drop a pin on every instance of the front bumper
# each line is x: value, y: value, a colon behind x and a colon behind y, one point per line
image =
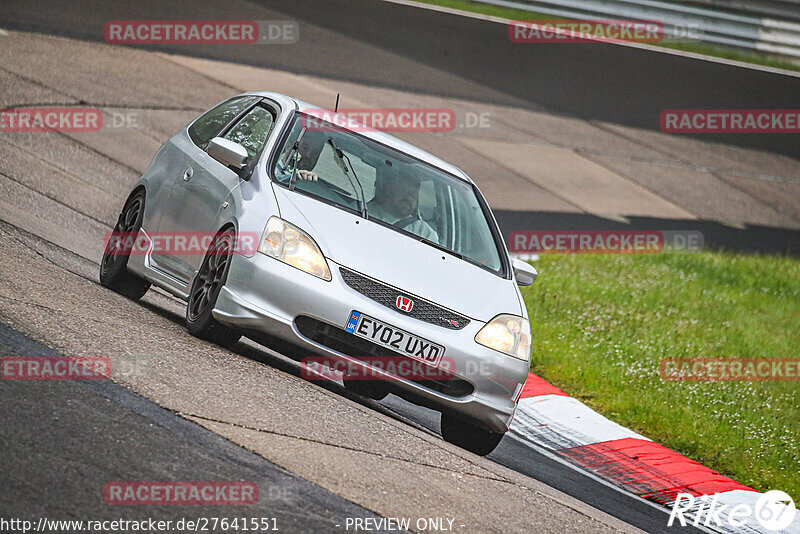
x: 268, y: 296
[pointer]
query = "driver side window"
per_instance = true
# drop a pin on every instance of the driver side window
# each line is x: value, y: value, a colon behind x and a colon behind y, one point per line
x: 209, y: 125
x: 252, y: 131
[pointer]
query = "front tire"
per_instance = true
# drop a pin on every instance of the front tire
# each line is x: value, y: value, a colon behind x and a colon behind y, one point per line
x: 469, y: 436
x: 206, y: 287
x: 114, y: 266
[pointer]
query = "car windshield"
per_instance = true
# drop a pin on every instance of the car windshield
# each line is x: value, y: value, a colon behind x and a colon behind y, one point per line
x: 401, y: 192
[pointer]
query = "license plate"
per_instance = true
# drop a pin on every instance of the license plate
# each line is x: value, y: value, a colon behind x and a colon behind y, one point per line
x: 394, y: 338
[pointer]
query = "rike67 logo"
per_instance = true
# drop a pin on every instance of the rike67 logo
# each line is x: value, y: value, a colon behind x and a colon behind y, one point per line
x: 772, y: 511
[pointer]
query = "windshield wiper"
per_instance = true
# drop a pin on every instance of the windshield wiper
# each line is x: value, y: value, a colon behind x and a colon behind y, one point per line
x: 340, y: 158
x: 291, y: 154
x: 437, y: 245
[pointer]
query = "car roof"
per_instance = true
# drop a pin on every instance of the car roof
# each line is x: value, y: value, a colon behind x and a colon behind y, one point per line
x: 375, y: 135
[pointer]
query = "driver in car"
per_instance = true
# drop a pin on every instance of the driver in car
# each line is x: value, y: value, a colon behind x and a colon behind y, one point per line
x: 308, y: 152
x: 396, y: 202
x: 396, y: 199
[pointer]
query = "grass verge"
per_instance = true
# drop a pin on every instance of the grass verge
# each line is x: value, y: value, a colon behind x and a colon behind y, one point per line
x: 602, y: 323
x: 697, y: 48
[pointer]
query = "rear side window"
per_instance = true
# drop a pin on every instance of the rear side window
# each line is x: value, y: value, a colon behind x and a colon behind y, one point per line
x: 211, y: 123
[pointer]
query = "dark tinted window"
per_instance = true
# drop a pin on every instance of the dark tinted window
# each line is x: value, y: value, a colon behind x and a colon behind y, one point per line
x: 213, y: 121
x: 252, y: 131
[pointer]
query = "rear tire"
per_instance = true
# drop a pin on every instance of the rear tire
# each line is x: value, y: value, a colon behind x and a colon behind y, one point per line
x: 206, y: 287
x: 114, y: 266
x: 469, y: 436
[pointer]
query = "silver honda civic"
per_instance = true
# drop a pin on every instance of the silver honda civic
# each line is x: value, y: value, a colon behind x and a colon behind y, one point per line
x: 374, y: 261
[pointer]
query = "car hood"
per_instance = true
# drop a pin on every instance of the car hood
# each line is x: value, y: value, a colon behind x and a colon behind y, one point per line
x: 398, y: 260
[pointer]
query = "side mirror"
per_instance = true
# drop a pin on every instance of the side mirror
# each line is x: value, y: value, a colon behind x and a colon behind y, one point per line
x: 524, y: 272
x: 227, y: 152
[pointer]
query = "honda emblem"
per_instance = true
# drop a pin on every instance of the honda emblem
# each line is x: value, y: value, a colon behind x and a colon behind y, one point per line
x: 404, y: 303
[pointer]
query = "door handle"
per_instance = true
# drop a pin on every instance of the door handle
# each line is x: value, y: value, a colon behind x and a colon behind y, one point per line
x: 187, y: 174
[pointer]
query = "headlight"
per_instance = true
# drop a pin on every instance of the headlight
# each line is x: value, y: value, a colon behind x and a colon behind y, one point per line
x: 508, y: 334
x: 291, y: 245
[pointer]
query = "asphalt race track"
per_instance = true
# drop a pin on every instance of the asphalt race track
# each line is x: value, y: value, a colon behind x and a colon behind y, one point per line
x: 182, y: 409
x: 95, y: 432
x: 368, y: 42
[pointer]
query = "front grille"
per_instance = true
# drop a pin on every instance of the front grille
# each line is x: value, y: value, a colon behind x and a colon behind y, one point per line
x: 387, y: 295
x: 362, y: 349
